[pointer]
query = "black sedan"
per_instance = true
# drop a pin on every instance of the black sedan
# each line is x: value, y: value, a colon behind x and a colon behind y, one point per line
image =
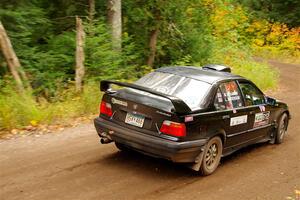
x: 189, y: 115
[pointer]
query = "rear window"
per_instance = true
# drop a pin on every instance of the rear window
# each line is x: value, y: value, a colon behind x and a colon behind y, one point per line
x: 191, y: 91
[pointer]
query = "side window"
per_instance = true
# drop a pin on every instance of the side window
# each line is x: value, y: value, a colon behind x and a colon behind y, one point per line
x: 252, y: 95
x: 232, y: 95
x: 219, y: 101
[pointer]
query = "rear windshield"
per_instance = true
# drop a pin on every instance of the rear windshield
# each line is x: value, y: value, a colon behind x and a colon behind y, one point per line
x: 191, y: 91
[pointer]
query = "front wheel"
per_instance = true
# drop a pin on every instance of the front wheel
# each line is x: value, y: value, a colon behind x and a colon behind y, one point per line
x: 282, y: 127
x: 211, y: 156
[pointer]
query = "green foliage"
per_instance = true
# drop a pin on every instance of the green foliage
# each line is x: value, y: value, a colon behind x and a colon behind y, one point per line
x: 102, y: 61
x: 193, y: 32
x: 167, y: 17
x: 19, y: 111
x: 260, y: 73
x: 275, y: 40
x: 284, y: 11
x: 16, y: 110
x: 47, y: 58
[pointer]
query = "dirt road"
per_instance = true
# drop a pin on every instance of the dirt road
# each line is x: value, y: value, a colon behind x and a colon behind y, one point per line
x: 73, y: 165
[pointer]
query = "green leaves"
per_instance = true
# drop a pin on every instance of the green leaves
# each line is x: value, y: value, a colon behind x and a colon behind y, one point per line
x: 190, y: 32
x: 284, y: 11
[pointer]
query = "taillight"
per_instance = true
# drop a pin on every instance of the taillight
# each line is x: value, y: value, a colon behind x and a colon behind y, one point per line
x: 173, y: 128
x: 105, y: 108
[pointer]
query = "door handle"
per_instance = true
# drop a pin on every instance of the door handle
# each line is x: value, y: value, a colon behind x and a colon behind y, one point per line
x: 225, y: 117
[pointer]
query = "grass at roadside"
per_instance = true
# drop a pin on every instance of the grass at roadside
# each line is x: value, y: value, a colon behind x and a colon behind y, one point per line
x: 261, y: 74
x: 242, y: 63
x: 19, y: 111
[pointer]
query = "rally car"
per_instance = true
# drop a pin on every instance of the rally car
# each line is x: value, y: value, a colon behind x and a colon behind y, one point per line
x: 192, y: 115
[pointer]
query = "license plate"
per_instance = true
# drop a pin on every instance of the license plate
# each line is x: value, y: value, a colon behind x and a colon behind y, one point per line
x: 135, y: 120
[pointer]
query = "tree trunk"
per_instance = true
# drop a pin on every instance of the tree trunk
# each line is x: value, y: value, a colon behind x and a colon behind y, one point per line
x: 152, y: 46
x: 92, y: 11
x: 115, y: 21
x: 80, y: 35
x: 11, y: 58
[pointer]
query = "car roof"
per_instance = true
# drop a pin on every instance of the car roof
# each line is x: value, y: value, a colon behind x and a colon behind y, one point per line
x: 198, y: 73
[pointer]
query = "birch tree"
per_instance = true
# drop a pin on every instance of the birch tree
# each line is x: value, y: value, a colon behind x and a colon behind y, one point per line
x: 80, y: 70
x: 12, y: 59
x: 152, y: 47
x: 115, y: 20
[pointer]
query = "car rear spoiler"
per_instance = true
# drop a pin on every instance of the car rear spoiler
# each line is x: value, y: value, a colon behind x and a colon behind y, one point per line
x: 180, y: 106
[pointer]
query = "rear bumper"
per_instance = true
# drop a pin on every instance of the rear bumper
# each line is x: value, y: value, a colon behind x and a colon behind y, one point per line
x: 186, y: 151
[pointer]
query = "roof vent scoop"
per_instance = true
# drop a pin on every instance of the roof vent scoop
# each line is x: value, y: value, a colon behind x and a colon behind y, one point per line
x: 220, y: 68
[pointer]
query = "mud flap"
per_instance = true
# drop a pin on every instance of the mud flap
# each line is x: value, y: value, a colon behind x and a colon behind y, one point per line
x: 198, y: 161
x: 273, y: 132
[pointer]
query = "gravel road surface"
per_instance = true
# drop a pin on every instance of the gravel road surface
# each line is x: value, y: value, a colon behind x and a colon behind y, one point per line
x: 71, y: 164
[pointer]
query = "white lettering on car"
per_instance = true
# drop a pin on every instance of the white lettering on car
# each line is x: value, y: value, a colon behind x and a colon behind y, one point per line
x: 188, y: 119
x: 238, y: 120
x: 116, y: 101
x: 261, y: 119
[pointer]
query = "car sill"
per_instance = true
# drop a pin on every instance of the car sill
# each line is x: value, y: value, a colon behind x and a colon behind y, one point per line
x: 250, y: 130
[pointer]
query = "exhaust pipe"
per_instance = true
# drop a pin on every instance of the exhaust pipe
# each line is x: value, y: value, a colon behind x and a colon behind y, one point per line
x: 105, y: 138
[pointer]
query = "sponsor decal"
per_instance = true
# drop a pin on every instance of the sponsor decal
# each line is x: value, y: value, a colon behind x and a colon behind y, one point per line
x: 261, y: 119
x: 262, y: 108
x: 231, y: 87
x: 238, y: 120
x: 220, y: 98
x: 235, y: 98
x: 119, y: 102
x: 188, y: 119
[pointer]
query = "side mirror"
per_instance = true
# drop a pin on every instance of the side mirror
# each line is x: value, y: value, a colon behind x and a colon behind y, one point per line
x: 271, y: 101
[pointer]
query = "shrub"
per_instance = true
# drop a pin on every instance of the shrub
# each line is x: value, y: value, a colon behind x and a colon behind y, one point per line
x: 18, y: 110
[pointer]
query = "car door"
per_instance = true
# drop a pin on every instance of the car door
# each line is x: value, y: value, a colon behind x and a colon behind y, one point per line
x: 260, y: 123
x: 235, y: 116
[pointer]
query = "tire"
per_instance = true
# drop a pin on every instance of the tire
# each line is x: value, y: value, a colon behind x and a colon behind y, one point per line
x: 211, y: 156
x: 281, y: 129
x: 121, y: 147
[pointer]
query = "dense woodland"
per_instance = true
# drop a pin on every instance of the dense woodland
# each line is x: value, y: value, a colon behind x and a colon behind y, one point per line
x: 64, y: 47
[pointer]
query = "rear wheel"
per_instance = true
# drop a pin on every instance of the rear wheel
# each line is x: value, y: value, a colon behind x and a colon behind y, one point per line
x: 211, y: 156
x: 281, y: 130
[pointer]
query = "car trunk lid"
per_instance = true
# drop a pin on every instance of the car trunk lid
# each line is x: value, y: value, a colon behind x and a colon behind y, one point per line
x: 140, y: 112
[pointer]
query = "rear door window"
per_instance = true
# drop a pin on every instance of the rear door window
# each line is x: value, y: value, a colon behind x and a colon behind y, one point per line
x: 251, y: 94
x: 232, y: 95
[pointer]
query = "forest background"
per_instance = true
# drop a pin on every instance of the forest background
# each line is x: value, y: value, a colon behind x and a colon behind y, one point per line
x: 63, y: 48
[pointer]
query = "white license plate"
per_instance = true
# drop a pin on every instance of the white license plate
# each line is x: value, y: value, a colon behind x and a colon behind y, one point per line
x: 135, y: 120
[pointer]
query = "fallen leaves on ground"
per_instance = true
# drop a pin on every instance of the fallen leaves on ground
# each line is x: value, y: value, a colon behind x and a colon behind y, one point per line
x: 40, y: 129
